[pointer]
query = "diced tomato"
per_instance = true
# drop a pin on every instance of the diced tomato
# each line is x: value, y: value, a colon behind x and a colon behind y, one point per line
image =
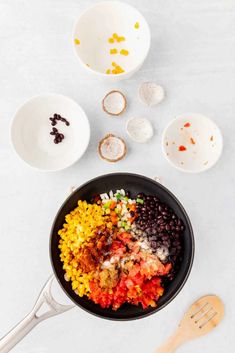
x: 117, y: 248
x: 182, y: 148
x: 138, y: 279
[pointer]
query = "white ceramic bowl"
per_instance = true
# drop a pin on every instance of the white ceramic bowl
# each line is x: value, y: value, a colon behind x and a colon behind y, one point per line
x: 192, y: 143
x: 97, y: 24
x: 30, y: 132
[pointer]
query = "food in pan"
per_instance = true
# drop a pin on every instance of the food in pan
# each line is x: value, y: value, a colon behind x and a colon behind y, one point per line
x: 120, y: 249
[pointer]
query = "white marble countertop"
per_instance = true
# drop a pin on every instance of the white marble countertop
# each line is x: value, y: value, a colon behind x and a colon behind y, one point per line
x: 193, y: 57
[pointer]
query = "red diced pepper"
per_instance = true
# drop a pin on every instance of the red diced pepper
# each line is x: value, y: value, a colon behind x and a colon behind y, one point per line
x: 112, y: 205
x: 182, y: 148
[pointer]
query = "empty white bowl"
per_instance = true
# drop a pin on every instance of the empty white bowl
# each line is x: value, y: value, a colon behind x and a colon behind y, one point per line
x: 94, y: 28
x: 192, y: 143
x: 31, y: 127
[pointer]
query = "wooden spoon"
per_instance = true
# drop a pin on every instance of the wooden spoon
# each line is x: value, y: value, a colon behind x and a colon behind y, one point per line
x: 202, y: 316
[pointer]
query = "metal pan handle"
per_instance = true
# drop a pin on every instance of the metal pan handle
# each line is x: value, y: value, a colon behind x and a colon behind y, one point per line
x: 18, y: 332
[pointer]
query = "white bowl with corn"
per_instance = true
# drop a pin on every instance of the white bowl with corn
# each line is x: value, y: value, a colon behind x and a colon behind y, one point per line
x: 111, y: 40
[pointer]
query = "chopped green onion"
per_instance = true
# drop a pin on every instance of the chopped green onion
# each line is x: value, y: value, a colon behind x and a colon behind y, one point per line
x: 126, y: 198
x: 124, y: 224
x: 118, y: 196
x: 127, y: 227
x: 107, y: 204
x: 140, y: 201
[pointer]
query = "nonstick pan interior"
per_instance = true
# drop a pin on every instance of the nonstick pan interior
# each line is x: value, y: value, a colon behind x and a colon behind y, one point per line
x: 135, y: 184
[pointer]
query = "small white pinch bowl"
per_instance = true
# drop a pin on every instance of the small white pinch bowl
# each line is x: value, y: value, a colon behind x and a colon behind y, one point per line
x: 198, y: 136
x: 31, y: 127
x: 96, y: 25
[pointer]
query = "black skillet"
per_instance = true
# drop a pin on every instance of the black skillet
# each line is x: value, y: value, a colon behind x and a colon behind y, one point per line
x: 135, y: 184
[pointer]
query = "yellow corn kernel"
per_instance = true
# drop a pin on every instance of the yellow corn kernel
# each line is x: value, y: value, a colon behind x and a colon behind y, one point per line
x: 108, y: 71
x: 121, y: 39
x: 77, y: 41
x: 115, y: 36
x: 111, y: 40
x: 137, y: 25
x: 113, y: 51
x: 119, y: 69
x: 124, y: 52
x: 114, y: 64
x: 114, y: 71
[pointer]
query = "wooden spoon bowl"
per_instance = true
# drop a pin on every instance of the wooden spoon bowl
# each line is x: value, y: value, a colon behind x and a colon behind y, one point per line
x: 201, y: 318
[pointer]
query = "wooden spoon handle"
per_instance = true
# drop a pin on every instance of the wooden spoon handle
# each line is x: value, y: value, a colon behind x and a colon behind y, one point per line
x: 172, y: 343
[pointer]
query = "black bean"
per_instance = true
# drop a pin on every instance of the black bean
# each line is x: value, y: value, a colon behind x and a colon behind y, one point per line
x: 54, y: 129
x: 53, y: 123
x: 153, y: 237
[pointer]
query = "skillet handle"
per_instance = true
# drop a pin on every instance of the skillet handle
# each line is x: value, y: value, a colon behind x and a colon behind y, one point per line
x: 18, y: 332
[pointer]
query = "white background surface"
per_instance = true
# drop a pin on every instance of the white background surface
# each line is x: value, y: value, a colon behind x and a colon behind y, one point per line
x: 193, y: 57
